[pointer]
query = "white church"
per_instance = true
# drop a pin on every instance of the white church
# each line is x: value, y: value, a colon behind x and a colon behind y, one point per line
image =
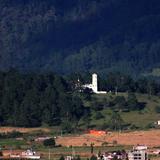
x: 94, y: 85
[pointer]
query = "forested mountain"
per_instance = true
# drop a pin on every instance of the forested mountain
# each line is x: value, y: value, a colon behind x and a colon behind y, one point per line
x: 67, y: 36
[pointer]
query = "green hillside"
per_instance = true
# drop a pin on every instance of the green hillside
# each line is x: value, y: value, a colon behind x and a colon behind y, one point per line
x: 138, y: 119
x: 34, y: 100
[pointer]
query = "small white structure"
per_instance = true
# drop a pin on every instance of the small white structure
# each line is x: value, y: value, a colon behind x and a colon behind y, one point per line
x: 41, y: 139
x: 137, y: 155
x: 158, y: 122
x: 29, y: 154
x: 140, y: 147
x: 108, y: 157
x: 157, y: 152
x: 94, y: 85
x: 69, y: 158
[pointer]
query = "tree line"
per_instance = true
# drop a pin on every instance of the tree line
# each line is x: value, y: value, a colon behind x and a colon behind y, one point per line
x: 35, y: 99
x: 29, y: 100
x: 119, y: 82
x: 99, y: 35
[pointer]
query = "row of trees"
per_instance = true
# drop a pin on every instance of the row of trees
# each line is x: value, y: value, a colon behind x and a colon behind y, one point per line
x: 119, y: 82
x: 35, y: 99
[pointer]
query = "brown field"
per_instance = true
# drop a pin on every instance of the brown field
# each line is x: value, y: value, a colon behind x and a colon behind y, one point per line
x: 150, y: 138
x: 22, y: 130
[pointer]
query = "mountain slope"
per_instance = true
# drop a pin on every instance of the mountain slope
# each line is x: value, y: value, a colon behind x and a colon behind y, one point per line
x: 72, y: 36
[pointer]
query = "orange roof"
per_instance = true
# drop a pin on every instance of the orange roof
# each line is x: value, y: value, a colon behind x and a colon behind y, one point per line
x: 97, y: 132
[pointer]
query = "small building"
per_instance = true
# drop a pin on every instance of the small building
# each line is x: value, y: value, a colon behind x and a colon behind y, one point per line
x: 94, y: 85
x: 41, y: 139
x: 137, y: 155
x: 69, y: 158
x: 157, y: 152
x: 97, y: 132
x: 158, y: 122
x: 119, y: 155
x: 140, y: 147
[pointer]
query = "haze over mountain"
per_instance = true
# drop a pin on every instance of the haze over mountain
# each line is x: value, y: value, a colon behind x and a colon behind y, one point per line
x: 68, y: 36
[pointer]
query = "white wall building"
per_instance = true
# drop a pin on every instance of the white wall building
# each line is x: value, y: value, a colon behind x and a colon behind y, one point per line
x: 158, y: 122
x: 94, y: 85
x: 137, y: 155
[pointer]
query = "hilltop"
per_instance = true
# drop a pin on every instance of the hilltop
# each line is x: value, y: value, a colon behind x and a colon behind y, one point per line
x: 34, y: 100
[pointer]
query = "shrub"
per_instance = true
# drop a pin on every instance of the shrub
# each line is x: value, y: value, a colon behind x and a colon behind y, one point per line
x: 134, y: 127
x: 1, y: 154
x: 49, y: 142
x: 93, y: 157
x: 104, y: 143
x: 98, y: 116
x: 104, y: 126
x: 157, y: 109
x: 67, y: 127
x: 62, y: 158
x: 150, y: 125
x: 13, y: 134
x: 114, y: 142
x: 84, y: 144
x: 78, y: 157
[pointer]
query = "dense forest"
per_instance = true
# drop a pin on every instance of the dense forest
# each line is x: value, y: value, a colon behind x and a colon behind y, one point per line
x: 76, y: 35
x: 32, y: 99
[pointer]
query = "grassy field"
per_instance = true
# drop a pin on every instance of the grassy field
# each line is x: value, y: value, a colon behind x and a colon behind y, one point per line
x: 86, y: 149
x: 142, y: 119
x: 11, y: 142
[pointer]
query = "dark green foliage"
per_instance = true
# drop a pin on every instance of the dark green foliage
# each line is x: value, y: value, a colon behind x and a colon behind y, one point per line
x: 1, y: 153
x: 104, y: 144
x: 157, y: 109
x: 93, y: 157
x: 116, y: 122
x: 62, y: 158
x: 29, y: 100
x: 150, y: 125
x: 78, y: 157
x: 98, y: 115
x: 49, y: 142
x: 120, y: 102
x: 67, y: 127
x: 132, y: 102
x: 32, y: 99
x: 96, y: 106
x: 69, y: 36
x: 13, y: 134
x: 92, y: 148
x: 134, y: 127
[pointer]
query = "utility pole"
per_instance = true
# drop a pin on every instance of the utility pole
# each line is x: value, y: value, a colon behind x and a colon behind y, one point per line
x: 49, y: 154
